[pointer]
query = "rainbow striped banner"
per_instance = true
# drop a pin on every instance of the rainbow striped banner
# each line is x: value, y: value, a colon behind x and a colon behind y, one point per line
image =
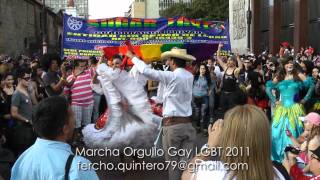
x: 150, y: 37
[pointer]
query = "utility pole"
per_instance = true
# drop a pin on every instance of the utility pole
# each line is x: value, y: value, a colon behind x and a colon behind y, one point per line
x: 44, y: 28
x: 249, y: 17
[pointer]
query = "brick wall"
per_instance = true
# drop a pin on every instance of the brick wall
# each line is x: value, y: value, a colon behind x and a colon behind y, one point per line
x: 20, y: 30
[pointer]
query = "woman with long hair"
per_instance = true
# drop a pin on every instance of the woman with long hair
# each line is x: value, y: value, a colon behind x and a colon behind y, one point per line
x: 242, y: 156
x: 287, y: 112
x: 307, y: 70
x: 200, y: 92
x: 229, y: 86
x: 37, y: 82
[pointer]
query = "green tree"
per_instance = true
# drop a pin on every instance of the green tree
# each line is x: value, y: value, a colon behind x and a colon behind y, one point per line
x: 200, y: 9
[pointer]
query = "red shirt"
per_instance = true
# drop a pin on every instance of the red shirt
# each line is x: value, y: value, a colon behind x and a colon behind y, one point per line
x: 297, y: 174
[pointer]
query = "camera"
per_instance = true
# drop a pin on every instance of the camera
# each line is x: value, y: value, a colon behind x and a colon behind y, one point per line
x: 292, y: 149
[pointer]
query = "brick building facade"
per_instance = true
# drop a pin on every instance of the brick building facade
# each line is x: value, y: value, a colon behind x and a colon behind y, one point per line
x: 20, y: 27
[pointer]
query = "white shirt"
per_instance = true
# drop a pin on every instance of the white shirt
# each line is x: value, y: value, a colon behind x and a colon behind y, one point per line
x: 129, y: 87
x: 161, y: 88
x: 209, y: 169
x: 218, y: 73
x: 177, y: 95
x: 159, y: 97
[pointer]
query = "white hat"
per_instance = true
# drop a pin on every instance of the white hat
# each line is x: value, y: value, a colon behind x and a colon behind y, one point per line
x: 178, y: 53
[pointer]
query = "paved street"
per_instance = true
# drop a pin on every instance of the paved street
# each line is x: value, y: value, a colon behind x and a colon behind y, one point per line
x: 137, y: 175
x: 140, y: 174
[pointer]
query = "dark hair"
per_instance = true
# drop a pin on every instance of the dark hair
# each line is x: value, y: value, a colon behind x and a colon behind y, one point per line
x: 22, y: 72
x: 47, y: 59
x: 179, y: 62
x: 50, y: 116
x: 78, y: 61
x: 207, y: 75
x: 282, y: 72
x: 6, y: 75
x: 116, y: 56
x: 309, y: 67
x: 93, y: 60
x: 240, y: 97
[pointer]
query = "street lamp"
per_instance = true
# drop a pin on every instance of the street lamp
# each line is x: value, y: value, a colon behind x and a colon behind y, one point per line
x: 249, y: 17
x: 44, y: 28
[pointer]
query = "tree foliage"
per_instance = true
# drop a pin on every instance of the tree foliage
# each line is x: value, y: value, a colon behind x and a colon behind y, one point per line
x: 200, y: 9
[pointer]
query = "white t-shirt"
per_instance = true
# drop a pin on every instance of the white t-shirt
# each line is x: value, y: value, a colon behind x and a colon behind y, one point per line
x: 208, y: 170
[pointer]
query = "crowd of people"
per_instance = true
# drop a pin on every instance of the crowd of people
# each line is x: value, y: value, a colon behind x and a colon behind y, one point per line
x: 270, y: 104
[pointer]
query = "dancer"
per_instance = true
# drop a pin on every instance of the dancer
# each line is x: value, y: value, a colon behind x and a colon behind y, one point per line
x: 287, y: 112
x: 178, y: 132
x: 123, y: 127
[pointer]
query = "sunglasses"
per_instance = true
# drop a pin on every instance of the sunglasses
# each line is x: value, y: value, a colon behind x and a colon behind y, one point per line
x: 27, y: 78
x: 313, y: 156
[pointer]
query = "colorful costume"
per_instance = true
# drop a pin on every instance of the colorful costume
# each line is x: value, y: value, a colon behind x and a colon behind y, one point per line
x: 316, y: 105
x: 123, y: 126
x: 287, y: 114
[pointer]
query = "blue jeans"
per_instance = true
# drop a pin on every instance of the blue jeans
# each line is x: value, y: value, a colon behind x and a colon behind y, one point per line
x: 200, y: 106
x: 96, y: 103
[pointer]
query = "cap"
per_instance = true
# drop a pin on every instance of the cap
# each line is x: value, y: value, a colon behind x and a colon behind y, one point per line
x: 313, y: 118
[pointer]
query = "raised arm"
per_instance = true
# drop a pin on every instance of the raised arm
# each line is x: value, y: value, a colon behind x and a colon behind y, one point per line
x: 219, y: 58
x: 269, y: 86
x: 240, y: 64
x: 308, y: 84
x: 161, y: 76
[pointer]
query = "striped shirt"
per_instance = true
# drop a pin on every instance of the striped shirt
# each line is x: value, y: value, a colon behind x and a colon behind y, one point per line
x: 81, y: 91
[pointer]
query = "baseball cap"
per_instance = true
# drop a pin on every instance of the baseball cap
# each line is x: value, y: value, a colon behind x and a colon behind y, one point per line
x: 313, y: 118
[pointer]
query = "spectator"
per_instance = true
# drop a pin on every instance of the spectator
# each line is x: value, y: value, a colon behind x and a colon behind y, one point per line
x: 311, y: 124
x: 53, y: 81
x: 80, y: 93
x: 271, y: 69
x: 200, y: 92
x: 9, y: 86
x: 6, y: 93
x: 37, y: 82
x: 212, y: 92
x: 21, y: 111
x: 50, y: 157
x: 240, y: 127
x: 314, y: 165
x: 229, y: 82
x: 96, y: 96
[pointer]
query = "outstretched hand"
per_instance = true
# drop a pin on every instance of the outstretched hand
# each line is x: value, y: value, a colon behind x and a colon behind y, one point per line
x: 129, y: 54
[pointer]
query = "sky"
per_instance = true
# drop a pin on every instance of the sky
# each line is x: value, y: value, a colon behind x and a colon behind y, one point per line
x: 108, y: 8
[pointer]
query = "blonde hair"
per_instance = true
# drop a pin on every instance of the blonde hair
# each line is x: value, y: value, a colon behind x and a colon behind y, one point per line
x: 247, y: 127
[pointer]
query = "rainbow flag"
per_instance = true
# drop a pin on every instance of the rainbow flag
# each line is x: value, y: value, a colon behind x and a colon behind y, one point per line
x: 152, y: 52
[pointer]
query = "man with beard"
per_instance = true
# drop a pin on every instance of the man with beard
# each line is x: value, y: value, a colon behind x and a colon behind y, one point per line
x: 50, y: 157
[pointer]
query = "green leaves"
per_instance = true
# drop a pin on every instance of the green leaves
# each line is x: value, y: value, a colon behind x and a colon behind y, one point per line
x: 200, y: 9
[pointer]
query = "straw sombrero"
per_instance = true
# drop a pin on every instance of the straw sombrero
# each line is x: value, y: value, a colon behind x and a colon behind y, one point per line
x: 178, y: 53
